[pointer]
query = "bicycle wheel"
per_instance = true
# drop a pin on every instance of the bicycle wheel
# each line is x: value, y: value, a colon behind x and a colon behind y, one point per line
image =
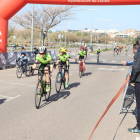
x: 19, y: 72
x: 58, y: 82
x: 47, y: 94
x: 28, y: 71
x: 80, y: 73
x: 37, y: 95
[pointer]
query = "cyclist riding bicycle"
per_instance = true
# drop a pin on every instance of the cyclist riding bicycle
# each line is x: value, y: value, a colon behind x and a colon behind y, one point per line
x: 36, y: 50
x: 114, y: 49
x: 86, y: 49
x: 117, y: 49
x: 98, y: 52
x: 24, y: 61
x: 126, y: 50
x: 82, y: 56
x: 45, y: 61
x: 63, y: 60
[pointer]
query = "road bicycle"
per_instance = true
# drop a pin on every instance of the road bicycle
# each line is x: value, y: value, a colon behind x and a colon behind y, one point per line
x: 98, y: 57
x: 60, y: 78
x: 81, y: 68
x: 40, y: 92
x: 21, y: 69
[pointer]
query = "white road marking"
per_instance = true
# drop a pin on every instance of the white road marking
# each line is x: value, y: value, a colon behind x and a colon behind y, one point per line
x: 13, y: 98
x: 113, y: 61
x: 16, y: 83
x: 109, y: 69
x: 10, y: 98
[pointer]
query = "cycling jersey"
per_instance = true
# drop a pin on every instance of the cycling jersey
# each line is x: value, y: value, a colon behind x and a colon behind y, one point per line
x: 44, y: 60
x: 63, y: 57
x: 23, y: 58
x: 126, y: 49
x: 117, y: 48
x: 98, y: 51
x: 82, y: 53
x: 36, y: 51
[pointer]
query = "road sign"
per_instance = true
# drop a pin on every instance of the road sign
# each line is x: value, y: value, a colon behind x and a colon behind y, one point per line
x: 60, y: 36
x: 14, y: 37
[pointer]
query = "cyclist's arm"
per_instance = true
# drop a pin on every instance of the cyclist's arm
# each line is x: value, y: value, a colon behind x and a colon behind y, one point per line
x: 129, y: 63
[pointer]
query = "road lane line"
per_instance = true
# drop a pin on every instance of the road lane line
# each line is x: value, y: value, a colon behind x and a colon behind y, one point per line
x: 13, y: 97
x: 5, y: 96
x: 16, y: 83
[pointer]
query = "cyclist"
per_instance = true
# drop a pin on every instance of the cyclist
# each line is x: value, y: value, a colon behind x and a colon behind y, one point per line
x: 82, y: 56
x: 36, y: 50
x: 117, y: 50
x: 85, y: 49
x: 114, y: 49
x: 63, y: 59
x: 98, y: 52
x: 120, y: 49
x: 126, y: 50
x: 91, y: 48
x: 45, y: 61
x: 24, y: 61
x: 23, y: 48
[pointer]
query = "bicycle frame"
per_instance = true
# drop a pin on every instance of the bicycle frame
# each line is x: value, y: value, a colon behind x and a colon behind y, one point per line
x: 81, y: 66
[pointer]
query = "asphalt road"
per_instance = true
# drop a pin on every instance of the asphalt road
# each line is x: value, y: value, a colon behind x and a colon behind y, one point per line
x: 70, y: 114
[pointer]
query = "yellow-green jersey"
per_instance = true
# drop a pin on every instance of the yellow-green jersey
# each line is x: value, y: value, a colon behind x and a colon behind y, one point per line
x: 44, y: 60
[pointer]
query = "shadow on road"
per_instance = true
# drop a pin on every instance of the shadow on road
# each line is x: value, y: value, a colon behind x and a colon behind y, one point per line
x: 73, y: 85
x: 87, y: 74
x: 119, y: 125
x: 56, y: 97
x: 2, y: 101
x: 62, y: 94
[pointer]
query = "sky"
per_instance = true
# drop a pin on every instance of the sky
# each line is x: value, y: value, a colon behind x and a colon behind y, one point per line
x: 126, y: 17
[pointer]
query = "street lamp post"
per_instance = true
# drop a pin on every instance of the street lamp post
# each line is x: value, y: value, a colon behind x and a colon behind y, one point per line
x: 92, y: 21
x: 106, y: 28
x: 32, y: 33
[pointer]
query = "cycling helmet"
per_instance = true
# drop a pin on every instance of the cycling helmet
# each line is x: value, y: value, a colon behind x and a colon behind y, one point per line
x: 98, y: 47
x: 62, y: 49
x: 23, y: 47
x: 35, y: 48
x: 23, y: 52
x: 42, y: 49
x: 81, y: 48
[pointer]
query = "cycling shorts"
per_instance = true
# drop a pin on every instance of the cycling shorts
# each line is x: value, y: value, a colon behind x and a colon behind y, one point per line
x: 81, y: 57
x: 64, y: 64
x: 41, y: 67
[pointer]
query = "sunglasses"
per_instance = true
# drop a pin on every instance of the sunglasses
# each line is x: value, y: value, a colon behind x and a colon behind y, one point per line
x: 42, y: 53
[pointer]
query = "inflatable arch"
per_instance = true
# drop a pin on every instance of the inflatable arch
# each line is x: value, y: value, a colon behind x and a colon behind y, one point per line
x: 9, y: 8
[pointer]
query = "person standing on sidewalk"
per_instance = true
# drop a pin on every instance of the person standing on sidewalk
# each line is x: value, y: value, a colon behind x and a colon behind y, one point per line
x: 135, y: 82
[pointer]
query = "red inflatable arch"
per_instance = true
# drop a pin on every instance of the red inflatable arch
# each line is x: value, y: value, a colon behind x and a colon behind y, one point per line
x: 9, y: 8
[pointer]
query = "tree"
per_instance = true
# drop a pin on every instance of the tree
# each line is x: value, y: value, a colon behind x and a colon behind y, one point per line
x: 11, y: 31
x: 44, y: 18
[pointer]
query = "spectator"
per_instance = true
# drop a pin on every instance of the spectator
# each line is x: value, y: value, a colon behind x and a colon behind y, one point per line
x: 138, y: 42
x: 91, y: 48
x: 135, y: 82
x: 135, y: 48
x: 14, y: 47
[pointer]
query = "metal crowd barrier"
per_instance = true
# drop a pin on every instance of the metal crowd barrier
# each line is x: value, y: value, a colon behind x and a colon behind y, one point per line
x: 9, y: 59
x: 128, y: 96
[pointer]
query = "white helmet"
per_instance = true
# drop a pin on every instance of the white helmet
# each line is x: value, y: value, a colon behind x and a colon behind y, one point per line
x: 98, y: 47
x: 42, y: 49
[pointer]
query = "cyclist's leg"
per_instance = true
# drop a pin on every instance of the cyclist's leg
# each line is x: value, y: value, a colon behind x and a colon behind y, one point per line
x: 47, y: 75
x: 25, y: 66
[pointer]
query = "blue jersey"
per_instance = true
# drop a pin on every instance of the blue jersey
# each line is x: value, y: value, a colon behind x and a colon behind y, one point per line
x: 24, y: 59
